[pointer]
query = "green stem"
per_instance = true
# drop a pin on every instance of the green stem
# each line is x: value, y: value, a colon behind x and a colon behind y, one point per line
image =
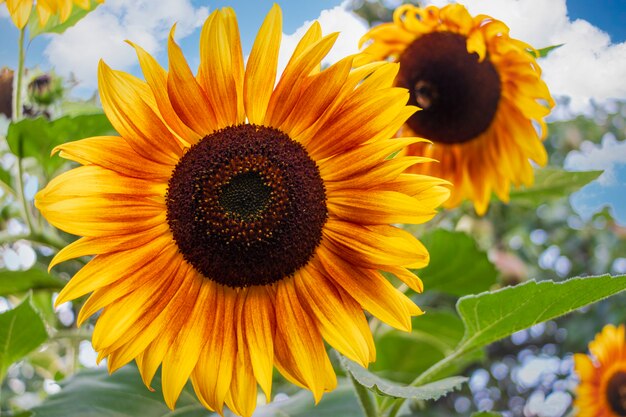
x: 22, y: 196
x: 17, y: 94
x: 395, y: 408
x: 365, y: 397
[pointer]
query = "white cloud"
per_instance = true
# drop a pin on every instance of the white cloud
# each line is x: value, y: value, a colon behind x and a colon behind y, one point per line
x: 587, y: 68
x: 101, y: 35
x: 337, y: 19
x: 605, y: 156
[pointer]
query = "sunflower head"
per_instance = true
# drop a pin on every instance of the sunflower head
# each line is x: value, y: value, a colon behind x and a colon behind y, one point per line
x: 20, y: 10
x: 480, y: 93
x: 237, y: 222
x: 602, y: 374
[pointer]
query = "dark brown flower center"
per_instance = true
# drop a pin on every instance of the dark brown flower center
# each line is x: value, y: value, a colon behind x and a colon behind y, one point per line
x: 458, y: 94
x: 616, y: 393
x: 246, y: 206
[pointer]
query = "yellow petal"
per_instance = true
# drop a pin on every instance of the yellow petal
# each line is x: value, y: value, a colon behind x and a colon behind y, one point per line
x: 261, y: 67
x: 379, y: 207
x: 217, y: 68
x: 108, y: 268
x: 337, y: 321
x: 19, y: 11
x: 259, y: 322
x: 187, y: 97
x: 156, y: 77
x: 300, y: 351
x: 134, y: 118
x: 183, y: 354
x: 214, y: 371
x: 119, y: 157
x: 285, y: 95
x: 374, y: 293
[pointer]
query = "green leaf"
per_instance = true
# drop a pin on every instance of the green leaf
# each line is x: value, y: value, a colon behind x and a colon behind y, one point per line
x: 80, y: 107
x: 95, y: 393
x: 54, y: 25
x: 491, y: 316
x: 13, y: 282
x: 400, y: 355
x: 551, y: 184
x: 21, y: 331
x: 5, y: 177
x: 543, y: 52
x: 456, y: 265
x: 340, y: 402
x: 38, y: 137
x: 386, y: 388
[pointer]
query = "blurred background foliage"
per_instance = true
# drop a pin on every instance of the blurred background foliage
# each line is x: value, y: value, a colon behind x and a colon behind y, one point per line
x: 538, y: 236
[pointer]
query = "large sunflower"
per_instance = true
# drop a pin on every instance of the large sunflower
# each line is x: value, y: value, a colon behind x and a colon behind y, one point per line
x: 20, y: 9
x: 238, y: 223
x: 602, y: 388
x: 480, y: 92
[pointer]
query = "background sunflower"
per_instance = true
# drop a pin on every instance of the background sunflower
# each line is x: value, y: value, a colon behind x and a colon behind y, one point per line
x: 480, y: 92
x: 602, y: 387
x: 20, y: 10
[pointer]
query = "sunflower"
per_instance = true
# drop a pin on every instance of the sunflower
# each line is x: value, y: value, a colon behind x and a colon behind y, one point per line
x: 20, y: 9
x: 602, y: 388
x: 480, y: 93
x: 237, y: 222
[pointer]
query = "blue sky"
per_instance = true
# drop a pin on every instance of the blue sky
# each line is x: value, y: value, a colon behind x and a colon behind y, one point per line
x: 590, y: 67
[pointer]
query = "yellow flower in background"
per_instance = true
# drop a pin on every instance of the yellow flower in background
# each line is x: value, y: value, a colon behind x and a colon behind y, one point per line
x: 238, y: 223
x: 602, y: 388
x: 480, y: 93
x: 20, y: 9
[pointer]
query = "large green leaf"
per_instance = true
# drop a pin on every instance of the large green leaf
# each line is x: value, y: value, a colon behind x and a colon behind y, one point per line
x: 401, y: 355
x: 54, y: 25
x: 457, y: 266
x: 12, y: 282
x: 380, y: 386
x: 21, y: 331
x: 551, y: 184
x: 38, y: 137
x: 491, y: 316
x: 95, y: 393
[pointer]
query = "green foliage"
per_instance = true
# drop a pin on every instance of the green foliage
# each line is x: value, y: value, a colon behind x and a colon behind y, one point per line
x: 491, y: 316
x: 21, y: 331
x: 5, y: 177
x: 391, y: 389
x: 15, y: 282
x: 95, y: 393
x: 54, y: 25
x: 38, y: 137
x: 552, y: 184
x: 456, y: 265
x: 400, y: 355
